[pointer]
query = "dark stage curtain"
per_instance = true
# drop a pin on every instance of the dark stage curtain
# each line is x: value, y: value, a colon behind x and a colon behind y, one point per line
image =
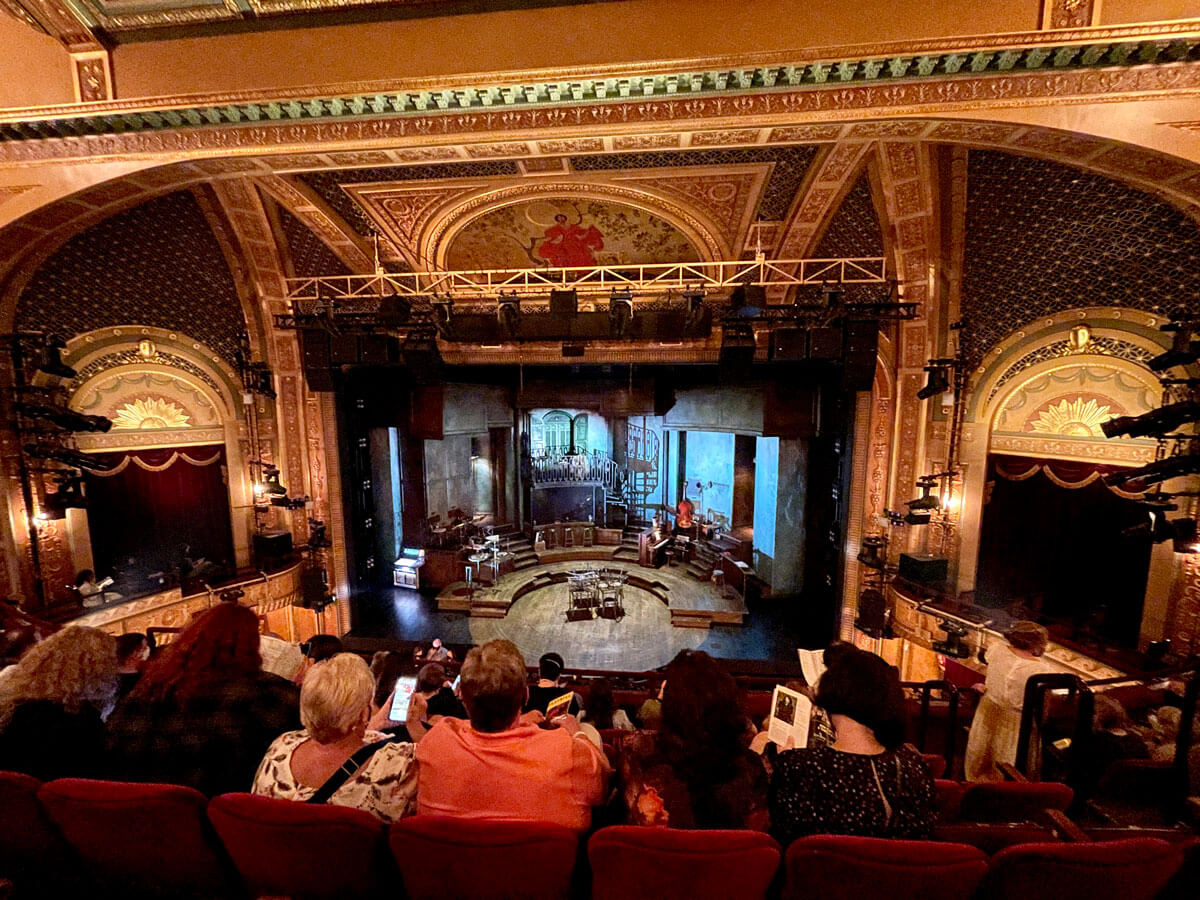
x: 1060, y: 548
x: 155, y: 504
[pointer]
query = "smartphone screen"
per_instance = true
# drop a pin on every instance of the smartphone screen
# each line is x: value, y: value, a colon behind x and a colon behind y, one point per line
x: 405, y: 685
x: 454, y: 687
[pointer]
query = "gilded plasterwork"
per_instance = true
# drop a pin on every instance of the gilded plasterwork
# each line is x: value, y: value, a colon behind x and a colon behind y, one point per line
x: 150, y: 412
x: 148, y: 408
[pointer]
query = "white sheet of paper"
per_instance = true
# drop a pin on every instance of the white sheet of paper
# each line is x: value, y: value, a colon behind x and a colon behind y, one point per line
x: 791, y: 713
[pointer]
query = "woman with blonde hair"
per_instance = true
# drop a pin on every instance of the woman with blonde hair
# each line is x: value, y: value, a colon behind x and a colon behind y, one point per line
x: 340, y: 757
x: 997, y: 723
x: 54, y: 702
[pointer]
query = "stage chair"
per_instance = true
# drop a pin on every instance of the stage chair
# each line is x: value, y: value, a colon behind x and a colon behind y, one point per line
x: 281, y: 847
x: 635, y: 863
x: 32, y: 852
x: 442, y: 857
x: 1012, y: 801
x: 1134, y: 869
x: 149, y: 838
x: 568, y: 537
x: 838, y: 867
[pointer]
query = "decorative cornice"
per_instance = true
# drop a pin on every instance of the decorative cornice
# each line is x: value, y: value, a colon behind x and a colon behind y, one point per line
x: 364, y: 113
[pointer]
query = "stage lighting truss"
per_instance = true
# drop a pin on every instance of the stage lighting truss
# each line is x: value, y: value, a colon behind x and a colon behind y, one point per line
x: 400, y: 302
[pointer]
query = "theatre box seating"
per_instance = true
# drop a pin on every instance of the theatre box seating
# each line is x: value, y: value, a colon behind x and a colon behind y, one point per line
x: 136, y: 840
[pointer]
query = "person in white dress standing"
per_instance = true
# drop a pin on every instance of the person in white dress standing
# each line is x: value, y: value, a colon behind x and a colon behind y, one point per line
x: 997, y: 723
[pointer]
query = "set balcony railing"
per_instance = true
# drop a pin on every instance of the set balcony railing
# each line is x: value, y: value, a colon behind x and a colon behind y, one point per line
x: 554, y: 467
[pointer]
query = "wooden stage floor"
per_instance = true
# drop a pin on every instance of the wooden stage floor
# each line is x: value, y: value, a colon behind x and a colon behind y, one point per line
x: 644, y: 639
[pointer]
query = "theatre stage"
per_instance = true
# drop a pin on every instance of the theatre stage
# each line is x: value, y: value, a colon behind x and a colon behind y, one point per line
x: 666, y: 611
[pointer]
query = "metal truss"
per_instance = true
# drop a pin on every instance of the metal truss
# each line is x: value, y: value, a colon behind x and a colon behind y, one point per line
x: 486, y: 285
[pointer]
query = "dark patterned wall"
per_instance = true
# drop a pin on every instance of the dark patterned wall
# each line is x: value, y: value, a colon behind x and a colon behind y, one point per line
x: 791, y: 162
x: 310, y: 255
x: 156, y: 264
x: 853, y: 231
x: 1043, y: 237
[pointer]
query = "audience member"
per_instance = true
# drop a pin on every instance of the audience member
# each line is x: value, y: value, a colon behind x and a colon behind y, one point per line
x: 438, y: 653
x: 697, y: 770
x: 602, y: 711
x: 339, y: 756
x: 434, y: 688
x: 1112, y: 739
x: 550, y: 686
x: 500, y: 765
x: 204, y: 712
x: 997, y: 722
x: 132, y: 652
x: 316, y: 649
x: 386, y: 667
x: 868, y: 782
x: 53, y: 703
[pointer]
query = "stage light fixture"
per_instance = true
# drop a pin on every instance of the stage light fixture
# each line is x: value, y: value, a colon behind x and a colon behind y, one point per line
x: 443, y: 318
x: 832, y: 295
x: 65, y: 418
x: 1157, y: 422
x: 52, y: 364
x: 620, y: 311
x: 953, y: 644
x: 927, y: 502
x: 873, y: 553
x: 1152, y: 473
x: 270, y: 483
x: 748, y: 301
x: 68, y: 496
x: 69, y: 457
x: 1183, y: 349
x: 508, y: 314
x: 938, y: 379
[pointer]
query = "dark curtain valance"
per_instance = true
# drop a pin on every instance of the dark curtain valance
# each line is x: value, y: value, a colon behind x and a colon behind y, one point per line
x: 162, y: 459
x: 1069, y: 474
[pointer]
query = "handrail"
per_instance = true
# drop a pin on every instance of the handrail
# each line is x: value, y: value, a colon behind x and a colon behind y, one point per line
x: 1036, y: 689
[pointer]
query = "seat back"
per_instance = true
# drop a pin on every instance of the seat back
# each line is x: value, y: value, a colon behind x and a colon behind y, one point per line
x: 441, y: 857
x: 837, y: 867
x: 32, y: 852
x: 948, y: 798
x: 301, y: 849
x: 1012, y: 801
x: 1134, y: 869
x: 632, y: 863
x: 992, y: 837
x: 155, y: 836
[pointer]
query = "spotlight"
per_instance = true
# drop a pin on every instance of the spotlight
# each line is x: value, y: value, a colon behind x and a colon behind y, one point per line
x: 1182, y: 533
x: 953, y: 644
x: 508, y: 314
x: 1157, y: 422
x: 53, y: 365
x: 1152, y: 473
x: 67, y: 456
x: 1183, y: 349
x: 832, y: 295
x: 270, y: 483
x: 938, y: 380
x: 64, y: 417
x: 443, y: 318
x: 927, y: 502
x: 69, y: 495
x: 620, y: 311
x: 873, y: 552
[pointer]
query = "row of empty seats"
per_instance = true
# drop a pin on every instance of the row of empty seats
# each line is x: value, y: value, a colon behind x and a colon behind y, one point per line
x: 165, y: 840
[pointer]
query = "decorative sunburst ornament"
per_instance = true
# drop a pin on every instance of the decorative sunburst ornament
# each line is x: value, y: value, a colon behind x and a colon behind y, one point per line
x: 150, y: 412
x: 1073, y: 418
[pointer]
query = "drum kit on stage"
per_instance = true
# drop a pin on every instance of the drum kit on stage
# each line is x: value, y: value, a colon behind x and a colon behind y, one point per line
x: 596, y: 593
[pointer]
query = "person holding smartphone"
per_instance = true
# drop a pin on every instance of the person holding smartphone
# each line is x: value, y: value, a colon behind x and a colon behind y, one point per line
x: 341, y: 756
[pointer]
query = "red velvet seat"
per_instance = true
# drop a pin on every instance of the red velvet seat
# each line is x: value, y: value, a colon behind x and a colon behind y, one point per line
x: 936, y: 763
x: 1012, y: 801
x: 442, y: 857
x: 635, y: 863
x: 301, y: 849
x: 1135, y: 869
x: 153, y: 837
x: 835, y: 867
x: 948, y: 798
x: 992, y: 837
x: 32, y: 852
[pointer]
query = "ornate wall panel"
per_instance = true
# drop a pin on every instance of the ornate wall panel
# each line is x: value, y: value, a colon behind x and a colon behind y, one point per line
x: 157, y: 264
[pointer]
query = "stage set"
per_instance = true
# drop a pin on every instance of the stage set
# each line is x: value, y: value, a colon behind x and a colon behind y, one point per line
x: 616, y: 516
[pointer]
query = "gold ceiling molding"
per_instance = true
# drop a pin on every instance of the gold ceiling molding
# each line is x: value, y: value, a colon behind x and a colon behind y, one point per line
x: 705, y: 235
x: 774, y: 108
x: 315, y: 214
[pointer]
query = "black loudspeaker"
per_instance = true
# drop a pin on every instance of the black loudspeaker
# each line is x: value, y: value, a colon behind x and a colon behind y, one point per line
x: 825, y: 343
x: 862, y: 346
x: 872, y: 612
x: 923, y: 569
x: 343, y: 349
x: 272, y: 545
x: 564, y: 303
x: 788, y: 345
x: 314, y: 589
x: 314, y: 349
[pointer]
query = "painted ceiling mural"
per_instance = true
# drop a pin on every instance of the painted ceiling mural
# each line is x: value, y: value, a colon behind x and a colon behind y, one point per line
x: 566, y: 231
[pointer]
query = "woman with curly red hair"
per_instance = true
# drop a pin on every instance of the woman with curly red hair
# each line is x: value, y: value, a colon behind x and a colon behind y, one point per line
x: 204, y: 712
